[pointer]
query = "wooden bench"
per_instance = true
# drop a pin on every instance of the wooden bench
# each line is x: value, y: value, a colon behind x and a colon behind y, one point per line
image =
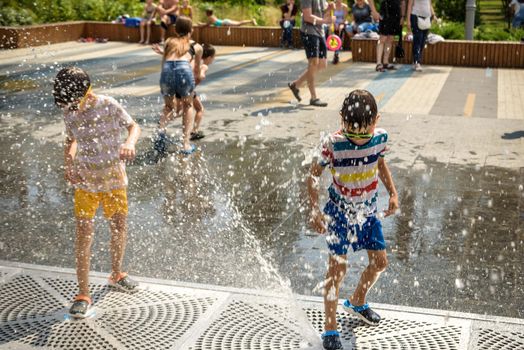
x: 493, y: 54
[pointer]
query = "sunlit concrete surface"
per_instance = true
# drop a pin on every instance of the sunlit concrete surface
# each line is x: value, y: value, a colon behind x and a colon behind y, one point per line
x: 174, y: 315
x: 237, y: 207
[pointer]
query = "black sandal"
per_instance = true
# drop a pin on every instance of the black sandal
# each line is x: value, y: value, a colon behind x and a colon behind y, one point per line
x: 197, y: 135
x: 80, y: 306
x: 379, y: 68
x: 389, y: 67
x: 295, y: 90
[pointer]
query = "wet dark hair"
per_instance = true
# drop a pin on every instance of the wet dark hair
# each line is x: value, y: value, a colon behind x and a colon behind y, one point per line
x: 209, y: 12
x: 183, y: 26
x: 70, y: 85
x: 359, y: 110
x: 208, y: 51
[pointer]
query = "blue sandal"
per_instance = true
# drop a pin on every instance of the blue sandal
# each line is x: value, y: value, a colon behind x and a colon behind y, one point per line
x: 364, y: 312
x: 331, y: 341
x: 187, y: 152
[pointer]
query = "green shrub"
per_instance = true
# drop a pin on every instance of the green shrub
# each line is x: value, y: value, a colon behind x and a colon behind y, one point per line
x: 11, y: 17
x: 450, y: 30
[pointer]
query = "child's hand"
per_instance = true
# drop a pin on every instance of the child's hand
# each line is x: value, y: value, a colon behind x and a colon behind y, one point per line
x: 159, y: 50
x: 127, y: 151
x: 317, y: 221
x: 393, y: 206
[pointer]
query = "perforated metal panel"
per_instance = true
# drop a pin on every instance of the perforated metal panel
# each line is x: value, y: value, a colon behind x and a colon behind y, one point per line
x: 34, y: 303
x: 498, y: 340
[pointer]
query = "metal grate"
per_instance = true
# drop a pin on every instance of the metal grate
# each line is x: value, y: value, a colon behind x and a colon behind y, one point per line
x: 243, y: 326
x: 54, y: 334
x: 33, y: 304
x: 23, y: 298
x: 489, y: 339
x: 441, y: 338
x: 154, y: 326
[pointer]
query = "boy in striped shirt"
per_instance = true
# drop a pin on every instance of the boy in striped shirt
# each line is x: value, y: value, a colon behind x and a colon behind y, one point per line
x: 355, y: 157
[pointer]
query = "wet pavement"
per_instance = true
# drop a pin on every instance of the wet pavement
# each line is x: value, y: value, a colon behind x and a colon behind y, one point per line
x: 227, y: 214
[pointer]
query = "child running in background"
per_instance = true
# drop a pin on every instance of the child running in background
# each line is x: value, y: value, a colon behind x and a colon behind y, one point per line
x: 177, y: 82
x: 208, y: 56
x: 148, y: 16
x: 94, y: 165
x: 213, y: 20
x: 355, y: 156
x: 207, y: 53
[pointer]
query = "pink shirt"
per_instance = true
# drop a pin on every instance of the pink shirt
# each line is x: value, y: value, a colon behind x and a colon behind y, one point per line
x: 97, y: 130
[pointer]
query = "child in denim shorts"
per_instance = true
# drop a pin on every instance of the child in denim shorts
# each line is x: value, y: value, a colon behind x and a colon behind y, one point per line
x: 94, y: 165
x: 355, y: 156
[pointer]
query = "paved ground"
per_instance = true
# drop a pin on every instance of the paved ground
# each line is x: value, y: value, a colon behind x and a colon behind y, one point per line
x: 236, y: 209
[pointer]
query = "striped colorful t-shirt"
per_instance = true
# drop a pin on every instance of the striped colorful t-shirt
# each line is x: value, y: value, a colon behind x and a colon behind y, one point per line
x: 354, y: 169
x: 97, y: 130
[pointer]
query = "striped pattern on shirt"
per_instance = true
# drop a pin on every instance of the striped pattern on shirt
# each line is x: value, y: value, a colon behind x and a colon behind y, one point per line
x: 354, y: 169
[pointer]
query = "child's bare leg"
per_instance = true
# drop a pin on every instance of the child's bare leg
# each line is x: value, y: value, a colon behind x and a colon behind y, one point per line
x: 84, y: 239
x: 148, y: 29
x: 378, y: 262
x: 334, y: 277
x: 167, y: 112
x: 199, y: 113
x: 118, y: 224
x: 142, y: 24
x: 187, y: 120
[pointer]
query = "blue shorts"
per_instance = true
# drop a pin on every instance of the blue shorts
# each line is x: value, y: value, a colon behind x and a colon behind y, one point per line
x: 177, y: 79
x: 314, y: 45
x: 342, y: 235
x: 172, y: 21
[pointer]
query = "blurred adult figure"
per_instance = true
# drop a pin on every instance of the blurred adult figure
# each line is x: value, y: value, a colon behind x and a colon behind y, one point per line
x: 315, y: 14
x: 419, y: 15
x: 287, y: 23
x: 362, y: 21
x: 391, y: 19
x: 518, y: 13
x: 341, y: 13
x: 168, y: 10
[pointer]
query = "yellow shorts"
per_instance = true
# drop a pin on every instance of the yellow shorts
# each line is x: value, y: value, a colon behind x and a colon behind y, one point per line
x: 86, y: 203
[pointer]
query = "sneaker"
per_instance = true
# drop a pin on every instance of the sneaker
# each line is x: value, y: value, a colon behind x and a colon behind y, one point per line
x: 418, y: 67
x: 317, y: 102
x: 295, y: 91
x: 331, y: 340
x: 81, y: 306
x: 124, y: 284
x: 364, y: 312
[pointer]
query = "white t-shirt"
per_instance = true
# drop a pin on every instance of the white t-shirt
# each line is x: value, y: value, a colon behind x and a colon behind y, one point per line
x: 421, y: 8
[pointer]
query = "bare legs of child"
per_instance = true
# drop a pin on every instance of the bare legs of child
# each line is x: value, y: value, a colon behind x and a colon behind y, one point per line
x: 145, y: 26
x: 231, y: 23
x: 335, y: 275
x: 187, y: 123
x: 199, y: 114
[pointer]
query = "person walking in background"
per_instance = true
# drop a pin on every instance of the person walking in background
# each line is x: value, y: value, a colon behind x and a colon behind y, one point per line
x: 94, y: 165
x: 355, y: 157
x: 391, y: 20
x: 186, y: 9
x: 419, y: 15
x: 287, y: 23
x: 362, y: 21
x: 148, y: 16
x: 315, y: 13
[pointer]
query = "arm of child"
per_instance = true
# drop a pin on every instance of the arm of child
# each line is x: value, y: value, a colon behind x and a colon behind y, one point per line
x: 199, y: 51
x: 70, y: 175
x: 387, y: 180
x: 127, y: 151
x: 316, y: 217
